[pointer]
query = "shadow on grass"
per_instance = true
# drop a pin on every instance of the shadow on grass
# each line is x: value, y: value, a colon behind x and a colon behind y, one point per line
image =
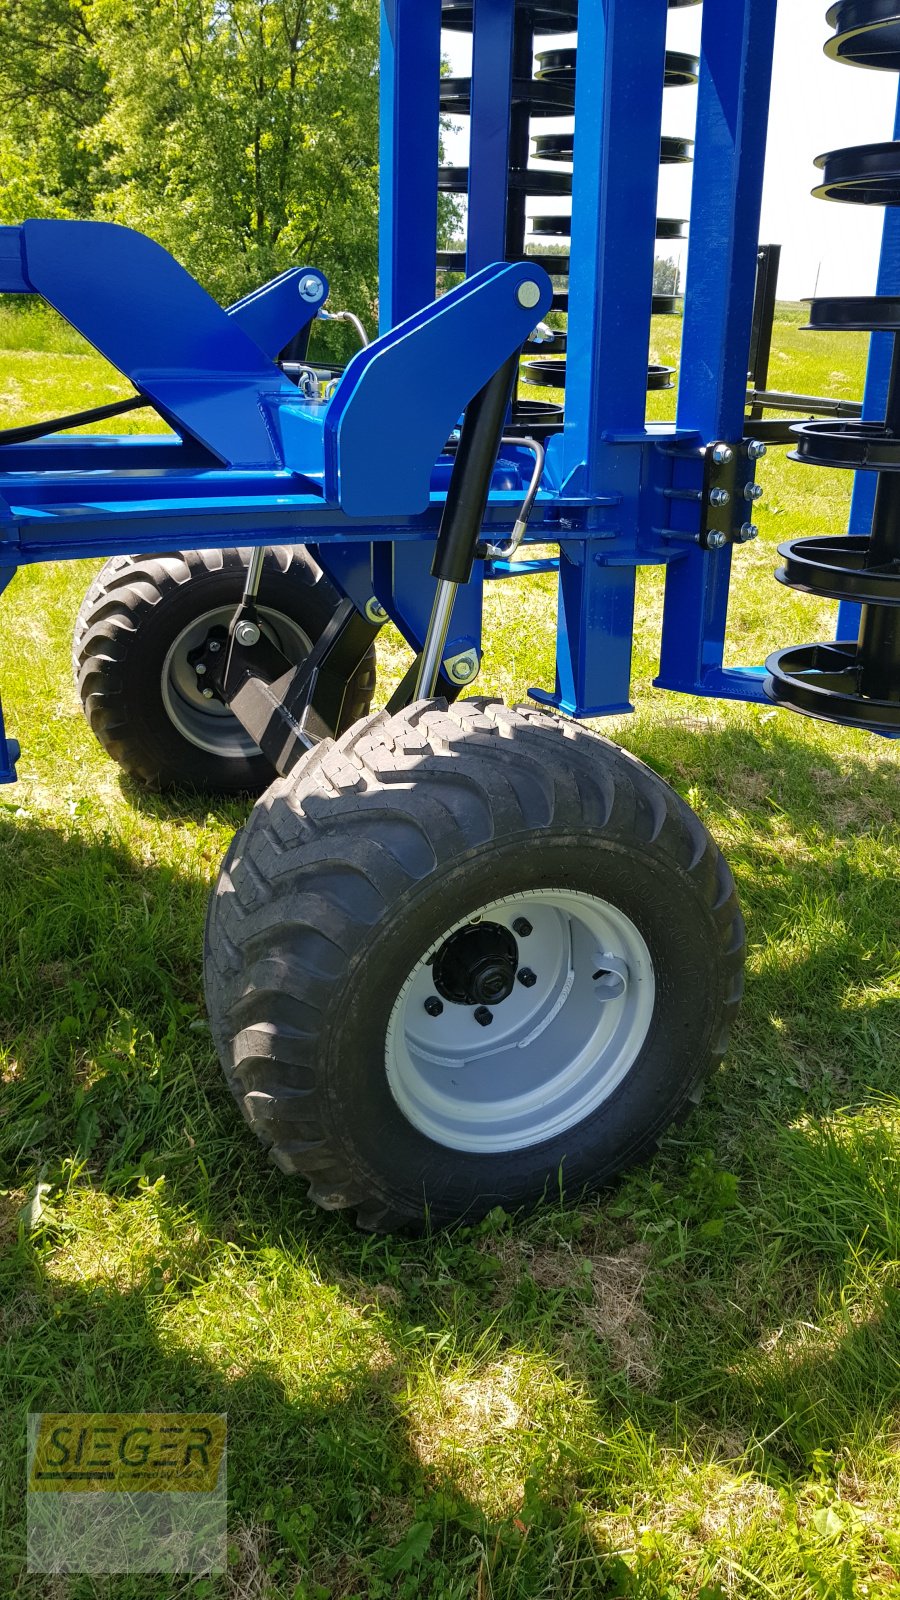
x: 759, y: 1325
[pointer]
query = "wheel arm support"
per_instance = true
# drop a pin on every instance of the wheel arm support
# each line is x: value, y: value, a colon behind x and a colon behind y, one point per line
x: 287, y: 710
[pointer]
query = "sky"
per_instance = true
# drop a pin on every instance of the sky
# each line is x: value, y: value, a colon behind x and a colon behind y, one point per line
x: 816, y: 106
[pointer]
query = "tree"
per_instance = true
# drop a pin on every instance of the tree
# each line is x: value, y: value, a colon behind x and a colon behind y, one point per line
x: 242, y: 134
x: 52, y: 92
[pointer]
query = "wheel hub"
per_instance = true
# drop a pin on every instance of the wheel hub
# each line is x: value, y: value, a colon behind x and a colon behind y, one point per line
x: 477, y: 965
x: 483, y: 1054
x: 199, y: 717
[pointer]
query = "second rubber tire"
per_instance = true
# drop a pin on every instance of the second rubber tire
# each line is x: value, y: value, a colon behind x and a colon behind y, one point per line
x: 135, y: 612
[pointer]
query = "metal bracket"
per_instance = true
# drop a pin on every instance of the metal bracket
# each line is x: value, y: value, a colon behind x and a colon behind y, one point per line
x: 730, y: 492
x: 286, y: 709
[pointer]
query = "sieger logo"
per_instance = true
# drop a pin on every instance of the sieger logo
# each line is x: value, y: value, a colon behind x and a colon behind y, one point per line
x: 128, y: 1452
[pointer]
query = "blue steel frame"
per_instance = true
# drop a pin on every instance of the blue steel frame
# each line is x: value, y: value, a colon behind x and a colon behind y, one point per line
x: 362, y: 479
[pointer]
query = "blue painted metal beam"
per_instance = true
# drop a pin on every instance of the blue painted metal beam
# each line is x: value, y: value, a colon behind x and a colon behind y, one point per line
x: 492, y: 55
x: 732, y: 123
x: 410, y: 142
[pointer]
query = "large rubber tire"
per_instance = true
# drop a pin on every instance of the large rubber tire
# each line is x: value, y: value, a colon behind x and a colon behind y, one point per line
x: 138, y: 607
x: 348, y: 870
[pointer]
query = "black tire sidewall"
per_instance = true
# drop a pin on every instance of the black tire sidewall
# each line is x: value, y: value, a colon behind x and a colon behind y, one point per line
x: 400, y: 1164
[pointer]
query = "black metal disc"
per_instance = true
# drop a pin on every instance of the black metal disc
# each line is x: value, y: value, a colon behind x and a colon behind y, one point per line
x: 836, y: 568
x: 559, y: 66
x: 867, y: 33
x: 858, y: 313
x: 538, y: 417
x: 858, y: 445
x: 552, y: 227
x: 545, y: 374
x: 671, y: 227
x: 556, y: 265
x: 560, y: 147
x: 822, y: 680
x: 550, y: 16
x: 548, y: 374
x: 867, y: 175
x: 542, y: 99
x: 455, y: 180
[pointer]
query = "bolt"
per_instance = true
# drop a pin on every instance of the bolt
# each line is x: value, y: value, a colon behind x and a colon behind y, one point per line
x: 522, y: 927
x: 722, y: 454
x: 310, y: 288
x: 528, y: 294
x: 527, y: 978
x: 207, y: 694
x: 753, y: 491
x: 214, y: 646
x: 484, y: 1017
x: 716, y: 540
x: 200, y: 670
x: 756, y: 450
x: 749, y: 531
x: 434, y: 1006
x: 247, y: 634
x: 719, y: 497
x: 462, y: 669
x: 375, y: 611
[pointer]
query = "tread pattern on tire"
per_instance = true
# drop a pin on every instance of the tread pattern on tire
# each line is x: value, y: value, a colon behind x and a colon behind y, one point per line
x: 122, y: 596
x: 336, y: 843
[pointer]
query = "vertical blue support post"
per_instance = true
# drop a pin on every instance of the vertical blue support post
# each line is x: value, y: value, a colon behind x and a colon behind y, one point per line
x: 410, y: 144
x: 492, y: 51
x: 618, y: 125
x: 881, y: 349
x: 732, y: 123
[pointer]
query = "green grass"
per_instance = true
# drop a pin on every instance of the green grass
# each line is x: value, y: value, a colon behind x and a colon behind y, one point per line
x: 689, y: 1387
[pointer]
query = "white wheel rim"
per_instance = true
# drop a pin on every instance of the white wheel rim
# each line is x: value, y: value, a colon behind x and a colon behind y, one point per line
x: 555, y: 1049
x: 209, y: 724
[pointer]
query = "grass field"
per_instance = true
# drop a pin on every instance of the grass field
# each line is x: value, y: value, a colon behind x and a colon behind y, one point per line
x: 689, y: 1387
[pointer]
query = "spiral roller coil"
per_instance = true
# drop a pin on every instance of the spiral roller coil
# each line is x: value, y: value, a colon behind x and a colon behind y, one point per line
x: 550, y: 92
x: 854, y: 682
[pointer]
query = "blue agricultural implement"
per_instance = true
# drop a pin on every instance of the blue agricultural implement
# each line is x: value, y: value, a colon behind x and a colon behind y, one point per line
x: 460, y: 953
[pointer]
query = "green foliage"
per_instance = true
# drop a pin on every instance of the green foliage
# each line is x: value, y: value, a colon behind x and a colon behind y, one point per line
x: 242, y: 134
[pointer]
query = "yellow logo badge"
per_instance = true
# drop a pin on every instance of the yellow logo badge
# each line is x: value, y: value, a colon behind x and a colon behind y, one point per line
x: 128, y: 1452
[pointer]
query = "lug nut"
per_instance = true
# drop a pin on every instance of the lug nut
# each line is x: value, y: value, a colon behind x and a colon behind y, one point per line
x: 214, y: 646
x: 522, y: 927
x: 722, y: 455
x: 719, y: 497
x: 434, y: 1006
x: 200, y: 670
x: 527, y: 978
x: 484, y: 1017
x: 207, y: 694
x: 753, y: 491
